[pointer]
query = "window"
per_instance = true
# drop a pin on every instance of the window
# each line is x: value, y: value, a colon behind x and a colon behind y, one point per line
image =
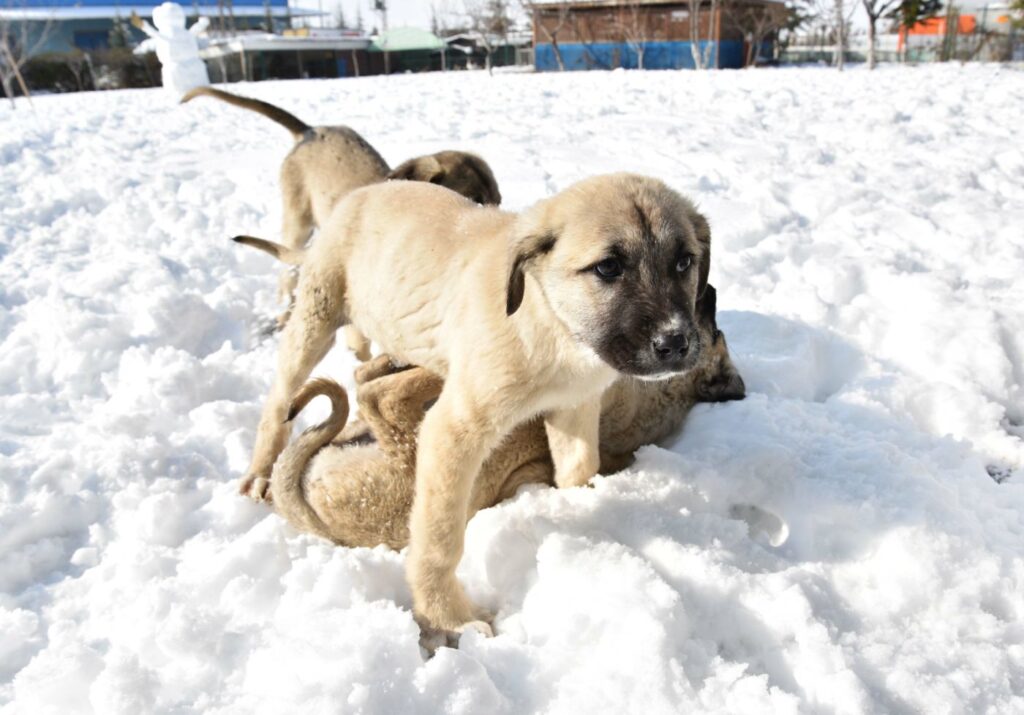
x: 92, y: 39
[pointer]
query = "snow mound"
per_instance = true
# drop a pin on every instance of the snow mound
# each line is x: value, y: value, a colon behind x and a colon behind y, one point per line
x: 849, y: 538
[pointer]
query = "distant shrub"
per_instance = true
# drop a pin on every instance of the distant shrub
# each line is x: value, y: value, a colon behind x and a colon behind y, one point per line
x: 113, y: 68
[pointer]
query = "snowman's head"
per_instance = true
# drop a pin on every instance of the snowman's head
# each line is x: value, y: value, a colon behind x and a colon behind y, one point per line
x: 169, y: 16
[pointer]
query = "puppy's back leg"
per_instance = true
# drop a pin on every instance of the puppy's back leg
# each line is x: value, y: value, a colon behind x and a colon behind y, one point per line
x: 296, y: 228
x: 394, y: 406
x: 357, y: 343
x: 306, y: 338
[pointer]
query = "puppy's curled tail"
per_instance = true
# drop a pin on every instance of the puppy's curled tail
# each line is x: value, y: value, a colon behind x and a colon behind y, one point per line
x: 286, y: 484
x: 296, y: 126
x: 291, y: 256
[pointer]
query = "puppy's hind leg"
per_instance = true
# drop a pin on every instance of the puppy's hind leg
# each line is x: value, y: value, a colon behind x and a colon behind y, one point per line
x: 307, y: 337
x: 357, y: 343
x: 296, y: 228
x: 359, y: 431
x: 394, y: 407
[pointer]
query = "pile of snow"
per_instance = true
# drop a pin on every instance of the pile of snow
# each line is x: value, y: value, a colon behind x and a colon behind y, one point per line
x: 849, y: 538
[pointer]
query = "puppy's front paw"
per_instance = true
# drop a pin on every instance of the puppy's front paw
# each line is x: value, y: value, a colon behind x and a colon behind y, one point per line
x: 577, y: 477
x: 433, y: 638
x: 256, y: 487
x: 482, y: 627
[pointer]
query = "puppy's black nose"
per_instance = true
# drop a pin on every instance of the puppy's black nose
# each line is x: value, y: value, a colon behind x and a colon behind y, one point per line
x: 669, y: 346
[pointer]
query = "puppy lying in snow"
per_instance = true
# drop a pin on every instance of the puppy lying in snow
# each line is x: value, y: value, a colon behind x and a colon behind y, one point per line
x: 358, y: 494
x: 327, y: 163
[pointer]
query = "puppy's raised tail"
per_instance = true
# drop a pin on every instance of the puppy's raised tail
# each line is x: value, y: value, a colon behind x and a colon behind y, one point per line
x: 286, y: 483
x: 291, y: 256
x: 296, y: 126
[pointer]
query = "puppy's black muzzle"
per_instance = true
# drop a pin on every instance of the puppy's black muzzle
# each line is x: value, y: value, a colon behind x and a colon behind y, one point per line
x: 671, y: 346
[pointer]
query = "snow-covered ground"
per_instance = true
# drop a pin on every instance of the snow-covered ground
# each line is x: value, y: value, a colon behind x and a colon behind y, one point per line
x: 868, y: 252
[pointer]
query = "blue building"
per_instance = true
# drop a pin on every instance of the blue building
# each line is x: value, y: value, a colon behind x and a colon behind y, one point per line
x: 652, y: 34
x: 87, y: 24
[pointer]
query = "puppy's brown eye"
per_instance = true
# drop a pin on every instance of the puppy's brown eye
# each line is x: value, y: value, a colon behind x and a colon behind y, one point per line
x: 684, y: 263
x: 609, y: 268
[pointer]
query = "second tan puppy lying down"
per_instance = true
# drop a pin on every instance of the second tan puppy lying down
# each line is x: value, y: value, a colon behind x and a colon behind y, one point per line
x: 522, y: 315
x: 329, y: 162
x: 361, y: 494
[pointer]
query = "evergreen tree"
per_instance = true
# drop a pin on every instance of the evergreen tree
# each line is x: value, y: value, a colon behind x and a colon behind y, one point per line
x: 910, y: 12
x: 1017, y: 18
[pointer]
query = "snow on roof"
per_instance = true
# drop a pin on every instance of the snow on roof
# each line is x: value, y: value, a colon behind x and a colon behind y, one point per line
x: 266, y: 42
x: 406, y: 38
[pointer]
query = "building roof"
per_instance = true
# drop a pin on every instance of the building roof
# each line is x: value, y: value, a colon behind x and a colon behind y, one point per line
x: 406, y: 38
x: 265, y: 42
x: 94, y: 11
x: 515, y: 38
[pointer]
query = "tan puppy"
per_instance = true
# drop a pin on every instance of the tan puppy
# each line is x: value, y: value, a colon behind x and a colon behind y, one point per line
x: 523, y: 315
x: 361, y: 494
x: 329, y: 162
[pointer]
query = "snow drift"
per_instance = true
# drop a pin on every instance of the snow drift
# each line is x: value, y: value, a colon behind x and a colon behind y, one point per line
x: 850, y: 538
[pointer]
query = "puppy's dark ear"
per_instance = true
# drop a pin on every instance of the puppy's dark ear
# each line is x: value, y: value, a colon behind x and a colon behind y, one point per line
x: 489, y: 192
x: 516, y: 286
x: 422, y: 168
x: 707, y: 304
x: 703, y: 231
x: 524, y: 252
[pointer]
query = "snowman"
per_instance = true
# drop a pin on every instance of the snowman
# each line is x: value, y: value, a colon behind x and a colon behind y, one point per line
x: 176, y: 48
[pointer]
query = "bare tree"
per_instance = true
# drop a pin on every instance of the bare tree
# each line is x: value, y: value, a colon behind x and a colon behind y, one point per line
x: 839, y: 53
x: 381, y: 6
x: 833, y: 17
x: 756, y: 22
x: 693, y: 15
x: 712, y: 46
x: 635, y: 25
x: 19, y: 40
x: 539, y: 13
x: 701, y: 58
x: 842, y: 14
x: 487, y: 19
x: 443, y: 18
x: 875, y: 9
x: 79, y: 64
